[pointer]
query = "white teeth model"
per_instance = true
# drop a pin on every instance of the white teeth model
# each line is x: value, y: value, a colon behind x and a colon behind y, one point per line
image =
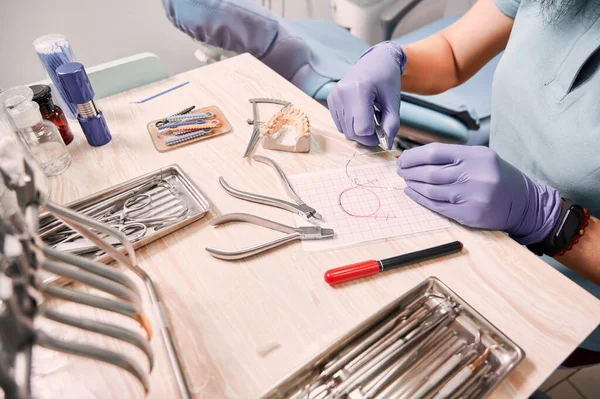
x: 288, y: 130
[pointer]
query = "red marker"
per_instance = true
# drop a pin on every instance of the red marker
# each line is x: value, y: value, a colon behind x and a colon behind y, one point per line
x: 371, y: 267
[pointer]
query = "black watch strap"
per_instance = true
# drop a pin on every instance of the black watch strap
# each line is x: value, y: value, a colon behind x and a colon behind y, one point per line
x: 566, y: 228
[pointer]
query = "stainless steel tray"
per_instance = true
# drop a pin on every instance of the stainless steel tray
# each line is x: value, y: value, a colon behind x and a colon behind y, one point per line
x: 468, y: 324
x: 198, y: 203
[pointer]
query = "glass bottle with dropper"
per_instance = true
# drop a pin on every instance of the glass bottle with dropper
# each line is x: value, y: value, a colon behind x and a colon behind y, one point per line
x: 42, y: 137
x: 42, y: 94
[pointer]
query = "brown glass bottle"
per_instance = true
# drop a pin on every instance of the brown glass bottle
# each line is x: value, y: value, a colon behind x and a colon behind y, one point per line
x: 51, y: 112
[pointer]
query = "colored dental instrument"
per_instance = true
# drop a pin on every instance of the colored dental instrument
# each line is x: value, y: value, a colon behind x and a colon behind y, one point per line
x: 184, y: 111
x: 197, y: 126
x: 187, y: 137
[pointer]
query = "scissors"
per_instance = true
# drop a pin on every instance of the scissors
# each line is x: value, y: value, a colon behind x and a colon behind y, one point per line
x: 153, y: 205
x: 152, y: 209
x: 55, y: 230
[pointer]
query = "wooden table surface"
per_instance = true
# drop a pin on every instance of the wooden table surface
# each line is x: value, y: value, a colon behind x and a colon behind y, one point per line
x: 226, y: 314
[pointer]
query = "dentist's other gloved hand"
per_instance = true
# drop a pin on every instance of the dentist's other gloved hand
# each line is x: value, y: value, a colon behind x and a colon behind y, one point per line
x: 373, y: 80
x: 477, y: 188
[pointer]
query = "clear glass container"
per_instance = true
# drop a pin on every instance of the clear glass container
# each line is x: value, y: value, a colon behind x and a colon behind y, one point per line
x: 51, y: 155
x: 42, y: 137
x: 13, y: 149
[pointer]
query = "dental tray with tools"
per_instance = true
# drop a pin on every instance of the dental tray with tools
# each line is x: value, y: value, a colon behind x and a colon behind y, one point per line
x: 429, y: 343
x: 166, y: 141
x: 145, y: 209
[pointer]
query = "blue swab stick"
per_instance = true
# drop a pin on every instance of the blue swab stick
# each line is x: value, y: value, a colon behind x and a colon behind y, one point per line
x: 159, y: 94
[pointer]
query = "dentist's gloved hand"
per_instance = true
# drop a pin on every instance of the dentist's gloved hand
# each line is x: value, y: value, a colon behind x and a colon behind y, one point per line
x: 477, y: 188
x: 373, y: 80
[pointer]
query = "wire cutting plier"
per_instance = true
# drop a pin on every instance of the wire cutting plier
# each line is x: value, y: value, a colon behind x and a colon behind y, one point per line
x: 293, y: 233
x: 299, y: 207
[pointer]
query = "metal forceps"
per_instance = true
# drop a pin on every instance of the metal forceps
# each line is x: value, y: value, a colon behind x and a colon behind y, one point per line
x: 80, y: 246
x: 98, y: 210
x: 293, y: 233
x: 299, y: 207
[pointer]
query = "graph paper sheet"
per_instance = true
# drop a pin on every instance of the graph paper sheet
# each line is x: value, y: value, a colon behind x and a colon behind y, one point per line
x: 361, y: 204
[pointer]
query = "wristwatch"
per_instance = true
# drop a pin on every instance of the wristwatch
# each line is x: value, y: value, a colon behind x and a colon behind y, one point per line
x: 568, y: 227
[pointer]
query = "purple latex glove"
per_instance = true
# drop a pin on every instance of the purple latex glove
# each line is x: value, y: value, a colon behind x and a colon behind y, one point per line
x: 373, y: 80
x: 477, y: 188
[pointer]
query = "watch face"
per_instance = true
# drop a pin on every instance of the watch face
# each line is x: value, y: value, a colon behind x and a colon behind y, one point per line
x: 569, y: 228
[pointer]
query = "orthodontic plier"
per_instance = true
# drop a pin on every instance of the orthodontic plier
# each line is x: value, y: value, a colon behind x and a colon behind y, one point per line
x: 293, y: 233
x: 299, y: 207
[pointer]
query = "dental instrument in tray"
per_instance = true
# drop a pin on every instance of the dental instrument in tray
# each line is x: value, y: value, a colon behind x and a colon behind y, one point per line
x: 429, y: 343
x: 144, y: 209
x: 184, y: 111
x: 177, y: 124
x: 77, y: 244
x: 299, y: 207
x: 188, y: 117
x: 155, y: 205
x: 200, y: 125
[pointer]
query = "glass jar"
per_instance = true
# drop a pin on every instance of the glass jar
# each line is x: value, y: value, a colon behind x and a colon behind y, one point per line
x: 42, y: 137
x: 13, y: 148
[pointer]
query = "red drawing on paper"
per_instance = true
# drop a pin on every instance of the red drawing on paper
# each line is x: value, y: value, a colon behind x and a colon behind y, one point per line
x: 368, y: 183
x: 359, y: 192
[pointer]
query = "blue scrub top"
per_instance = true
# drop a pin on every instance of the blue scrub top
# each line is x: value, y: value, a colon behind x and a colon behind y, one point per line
x: 546, y: 108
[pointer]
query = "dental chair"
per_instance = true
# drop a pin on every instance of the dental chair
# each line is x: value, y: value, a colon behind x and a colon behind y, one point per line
x: 315, y: 54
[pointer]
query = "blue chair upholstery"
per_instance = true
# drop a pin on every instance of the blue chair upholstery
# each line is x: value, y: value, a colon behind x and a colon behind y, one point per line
x: 315, y: 54
x: 324, y: 52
